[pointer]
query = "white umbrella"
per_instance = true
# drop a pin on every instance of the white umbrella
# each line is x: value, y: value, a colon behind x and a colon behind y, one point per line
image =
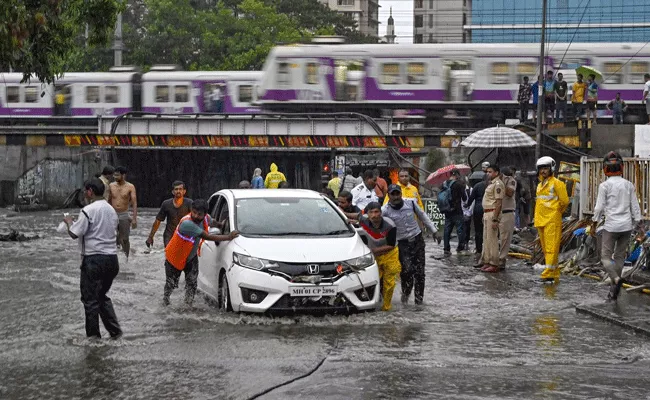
x: 498, y: 137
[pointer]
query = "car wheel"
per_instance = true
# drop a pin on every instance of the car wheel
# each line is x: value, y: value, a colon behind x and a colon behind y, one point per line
x: 224, y: 293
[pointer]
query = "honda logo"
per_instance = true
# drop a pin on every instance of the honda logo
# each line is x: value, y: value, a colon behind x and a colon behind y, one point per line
x: 313, y: 269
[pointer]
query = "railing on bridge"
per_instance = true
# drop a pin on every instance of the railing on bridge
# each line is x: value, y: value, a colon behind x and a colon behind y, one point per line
x: 636, y: 170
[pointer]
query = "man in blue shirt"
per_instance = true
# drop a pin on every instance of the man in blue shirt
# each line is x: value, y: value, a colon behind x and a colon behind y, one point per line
x: 535, y: 91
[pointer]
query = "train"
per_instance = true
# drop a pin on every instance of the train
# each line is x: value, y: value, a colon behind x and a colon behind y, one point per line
x: 423, y: 79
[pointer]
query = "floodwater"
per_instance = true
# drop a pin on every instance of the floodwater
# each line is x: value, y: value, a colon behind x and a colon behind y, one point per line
x: 496, y: 337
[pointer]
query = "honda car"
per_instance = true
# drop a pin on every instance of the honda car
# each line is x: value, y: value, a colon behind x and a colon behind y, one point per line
x: 296, y: 252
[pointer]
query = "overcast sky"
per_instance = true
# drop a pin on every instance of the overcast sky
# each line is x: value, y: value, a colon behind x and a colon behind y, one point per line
x: 403, y: 16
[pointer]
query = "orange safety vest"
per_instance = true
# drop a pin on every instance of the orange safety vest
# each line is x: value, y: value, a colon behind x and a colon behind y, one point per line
x: 180, y: 246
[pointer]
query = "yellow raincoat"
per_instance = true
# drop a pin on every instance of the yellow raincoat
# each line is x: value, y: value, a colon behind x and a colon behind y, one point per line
x: 389, y: 269
x: 552, y: 200
x: 409, y: 192
x: 274, y: 178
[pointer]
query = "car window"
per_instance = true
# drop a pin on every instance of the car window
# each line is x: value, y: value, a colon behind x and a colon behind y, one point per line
x: 289, y: 217
x: 213, y: 202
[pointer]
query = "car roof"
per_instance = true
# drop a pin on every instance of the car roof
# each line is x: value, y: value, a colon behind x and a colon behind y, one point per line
x: 271, y: 193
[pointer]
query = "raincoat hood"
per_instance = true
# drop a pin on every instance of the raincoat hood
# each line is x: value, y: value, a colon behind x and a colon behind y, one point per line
x: 274, y: 168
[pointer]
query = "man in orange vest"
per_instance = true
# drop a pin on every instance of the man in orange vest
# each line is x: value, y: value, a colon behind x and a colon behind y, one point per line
x: 181, y: 253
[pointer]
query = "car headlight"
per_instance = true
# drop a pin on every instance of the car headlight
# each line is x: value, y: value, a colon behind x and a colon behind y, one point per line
x: 252, y: 262
x: 362, y: 262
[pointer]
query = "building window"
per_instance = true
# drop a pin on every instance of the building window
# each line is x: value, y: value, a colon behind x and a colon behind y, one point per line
x: 346, y: 3
x: 390, y: 74
x: 431, y: 4
x: 419, y: 3
x: 92, y: 94
x: 416, y: 73
x: 417, y: 39
x: 311, y: 73
x: 613, y: 72
x: 637, y: 70
x: 111, y: 94
x: 283, y: 74
x: 246, y: 93
x: 13, y: 94
x: 430, y: 20
x: 31, y: 94
x: 418, y: 21
x: 162, y: 94
x: 500, y: 73
x: 431, y: 38
x: 526, y: 69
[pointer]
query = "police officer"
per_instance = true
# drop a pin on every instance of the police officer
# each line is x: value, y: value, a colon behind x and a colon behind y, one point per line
x: 492, y: 205
x: 507, y: 224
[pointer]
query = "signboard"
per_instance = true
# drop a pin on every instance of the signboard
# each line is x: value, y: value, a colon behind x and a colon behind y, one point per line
x: 642, y: 141
x: 431, y: 209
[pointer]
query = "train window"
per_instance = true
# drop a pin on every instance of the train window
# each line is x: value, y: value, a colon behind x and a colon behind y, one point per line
x: 637, y: 70
x: 574, y: 63
x: 181, y: 94
x: 416, y: 73
x: 162, y: 94
x: 283, y: 74
x: 92, y: 94
x: 13, y: 94
x: 311, y: 73
x: 612, y: 73
x: 111, y: 94
x: 390, y: 74
x: 246, y: 93
x: 31, y: 94
x: 500, y: 73
x: 526, y: 69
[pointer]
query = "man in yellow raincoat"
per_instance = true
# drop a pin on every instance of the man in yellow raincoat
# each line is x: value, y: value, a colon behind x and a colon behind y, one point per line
x: 274, y: 178
x: 382, y: 241
x: 408, y: 191
x: 551, y: 202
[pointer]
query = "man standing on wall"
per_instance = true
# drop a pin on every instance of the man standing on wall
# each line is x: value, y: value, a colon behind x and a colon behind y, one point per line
x: 561, y: 91
x: 122, y: 196
x: 646, y: 95
x: 171, y: 210
x: 578, y: 97
x: 523, y: 98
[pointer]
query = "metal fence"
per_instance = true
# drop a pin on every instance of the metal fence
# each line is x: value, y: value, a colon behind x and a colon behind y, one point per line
x: 636, y: 170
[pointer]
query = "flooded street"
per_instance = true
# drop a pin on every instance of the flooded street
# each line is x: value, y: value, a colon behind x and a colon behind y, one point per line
x: 501, y: 336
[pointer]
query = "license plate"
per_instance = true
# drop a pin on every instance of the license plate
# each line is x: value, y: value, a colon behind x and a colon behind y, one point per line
x: 310, y: 291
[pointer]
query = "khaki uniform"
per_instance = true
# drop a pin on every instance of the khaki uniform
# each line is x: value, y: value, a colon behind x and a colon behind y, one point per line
x: 507, y: 224
x: 496, y: 190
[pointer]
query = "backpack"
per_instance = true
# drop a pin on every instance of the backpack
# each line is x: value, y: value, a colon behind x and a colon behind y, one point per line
x: 444, y: 198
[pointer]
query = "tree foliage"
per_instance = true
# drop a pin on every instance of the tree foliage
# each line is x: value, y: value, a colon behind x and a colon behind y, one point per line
x: 215, y: 34
x: 37, y: 37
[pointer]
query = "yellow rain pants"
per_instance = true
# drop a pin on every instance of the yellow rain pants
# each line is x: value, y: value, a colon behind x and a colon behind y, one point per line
x: 389, y: 269
x: 551, y: 201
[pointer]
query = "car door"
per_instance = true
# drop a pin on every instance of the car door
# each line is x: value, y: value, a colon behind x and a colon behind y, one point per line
x: 208, y: 280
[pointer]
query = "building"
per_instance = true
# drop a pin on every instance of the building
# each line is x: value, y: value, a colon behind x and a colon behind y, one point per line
x: 390, y: 29
x: 365, y: 12
x: 440, y: 21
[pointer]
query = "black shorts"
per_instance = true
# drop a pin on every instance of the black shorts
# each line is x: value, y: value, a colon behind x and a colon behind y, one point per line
x: 592, y: 105
x: 549, y: 104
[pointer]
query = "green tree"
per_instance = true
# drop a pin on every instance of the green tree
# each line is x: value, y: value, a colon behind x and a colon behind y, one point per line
x: 37, y: 37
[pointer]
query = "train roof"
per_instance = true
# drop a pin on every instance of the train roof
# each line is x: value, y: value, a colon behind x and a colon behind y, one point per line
x: 479, y: 49
x: 202, y: 75
x: 70, y: 77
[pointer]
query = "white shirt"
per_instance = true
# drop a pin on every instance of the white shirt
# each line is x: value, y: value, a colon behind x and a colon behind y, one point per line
x: 362, y: 196
x: 96, y: 229
x: 646, y: 88
x: 617, y: 202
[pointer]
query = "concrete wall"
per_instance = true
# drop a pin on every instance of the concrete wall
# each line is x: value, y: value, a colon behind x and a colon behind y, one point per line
x: 605, y: 138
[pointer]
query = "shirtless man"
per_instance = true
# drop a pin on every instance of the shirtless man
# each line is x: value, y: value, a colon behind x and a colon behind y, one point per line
x: 122, y: 195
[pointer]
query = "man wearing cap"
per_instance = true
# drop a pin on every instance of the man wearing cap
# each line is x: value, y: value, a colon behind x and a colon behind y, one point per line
x: 403, y: 213
x: 507, y: 224
x: 492, y: 205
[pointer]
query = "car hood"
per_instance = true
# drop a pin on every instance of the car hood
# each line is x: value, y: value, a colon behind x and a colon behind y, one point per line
x: 301, y: 250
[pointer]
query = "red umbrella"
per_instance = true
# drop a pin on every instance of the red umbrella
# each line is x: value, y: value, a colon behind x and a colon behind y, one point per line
x: 444, y: 173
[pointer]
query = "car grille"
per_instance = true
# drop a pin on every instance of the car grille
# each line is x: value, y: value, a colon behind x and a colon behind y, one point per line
x: 298, y: 272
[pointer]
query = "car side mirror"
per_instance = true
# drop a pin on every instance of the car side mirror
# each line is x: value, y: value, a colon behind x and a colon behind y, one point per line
x: 363, y: 234
x: 214, y: 231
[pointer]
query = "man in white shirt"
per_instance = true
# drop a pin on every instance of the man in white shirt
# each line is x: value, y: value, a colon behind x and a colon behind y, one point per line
x: 96, y: 229
x: 364, y: 194
x: 618, y: 203
x: 646, y: 95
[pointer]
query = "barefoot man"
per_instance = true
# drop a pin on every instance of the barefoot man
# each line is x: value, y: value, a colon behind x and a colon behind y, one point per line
x: 122, y: 195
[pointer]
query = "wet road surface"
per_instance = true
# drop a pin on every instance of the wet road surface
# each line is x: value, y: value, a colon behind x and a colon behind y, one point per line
x: 498, y: 337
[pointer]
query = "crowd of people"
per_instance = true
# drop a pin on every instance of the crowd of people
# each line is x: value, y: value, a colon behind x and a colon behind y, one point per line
x: 391, y: 216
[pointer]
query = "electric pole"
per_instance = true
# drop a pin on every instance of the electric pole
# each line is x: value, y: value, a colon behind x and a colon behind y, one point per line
x: 540, y: 85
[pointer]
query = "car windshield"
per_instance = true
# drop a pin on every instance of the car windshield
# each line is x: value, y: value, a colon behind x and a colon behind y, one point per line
x: 289, y: 217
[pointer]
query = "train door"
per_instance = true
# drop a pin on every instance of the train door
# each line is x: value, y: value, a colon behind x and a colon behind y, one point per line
x: 348, y: 79
x: 136, y: 94
x: 459, y: 79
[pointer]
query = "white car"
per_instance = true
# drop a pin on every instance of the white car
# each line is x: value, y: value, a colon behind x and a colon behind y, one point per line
x: 296, y: 252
